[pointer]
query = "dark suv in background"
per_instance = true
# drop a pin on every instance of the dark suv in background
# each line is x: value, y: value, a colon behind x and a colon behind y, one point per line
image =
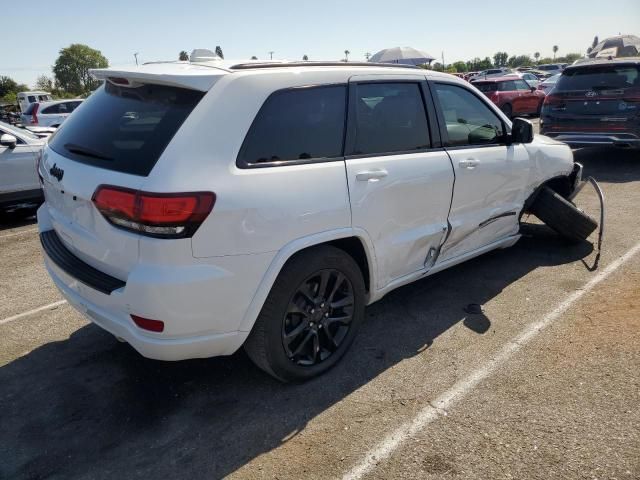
x: 595, y: 103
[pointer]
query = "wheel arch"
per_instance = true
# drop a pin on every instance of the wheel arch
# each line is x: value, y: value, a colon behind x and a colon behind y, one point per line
x: 355, y: 242
x: 561, y: 184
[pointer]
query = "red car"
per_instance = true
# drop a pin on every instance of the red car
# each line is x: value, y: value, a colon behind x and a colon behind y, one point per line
x: 512, y: 95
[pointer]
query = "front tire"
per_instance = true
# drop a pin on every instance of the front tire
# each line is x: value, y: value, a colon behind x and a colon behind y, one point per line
x: 310, y: 317
x: 563, y: 216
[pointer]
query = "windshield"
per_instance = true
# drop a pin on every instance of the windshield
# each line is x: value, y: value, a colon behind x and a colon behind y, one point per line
x: 125, y: 129
x: 602, y: 77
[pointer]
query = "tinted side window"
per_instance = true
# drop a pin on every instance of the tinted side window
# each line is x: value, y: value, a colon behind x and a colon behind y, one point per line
x: 297, y: 124
x: 389, y: 117
x: 52, y: 109
x: 522, y: 85
x: 469, y: 120
x: 31, y: 99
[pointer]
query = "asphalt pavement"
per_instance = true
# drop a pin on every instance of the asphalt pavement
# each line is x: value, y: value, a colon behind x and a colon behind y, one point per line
x: 544, y: 383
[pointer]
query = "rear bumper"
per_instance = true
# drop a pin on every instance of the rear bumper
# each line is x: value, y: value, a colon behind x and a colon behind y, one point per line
x: 580, y: 139
x: 202, y: 304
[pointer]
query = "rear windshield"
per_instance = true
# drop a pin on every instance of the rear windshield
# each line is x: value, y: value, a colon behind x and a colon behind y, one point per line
x: 486, y: 87
x: 125, y: 129
x: 605, y: 77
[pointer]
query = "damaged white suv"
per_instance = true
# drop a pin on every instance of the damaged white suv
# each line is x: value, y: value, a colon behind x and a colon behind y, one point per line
x: 266, y: 204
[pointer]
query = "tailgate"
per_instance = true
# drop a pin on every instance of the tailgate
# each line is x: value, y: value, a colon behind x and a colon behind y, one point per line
x: 68, y: 189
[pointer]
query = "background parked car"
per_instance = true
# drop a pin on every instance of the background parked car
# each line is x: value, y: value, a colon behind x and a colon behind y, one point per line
x: 491, y: 73
x: 514, y: 96
x: 18, y: 178
x: 27, y: 98
x: 547, y: 85
x: 595, y: 103
x: 552, y: 68
x: 49, y: 114
x: 528, y: 77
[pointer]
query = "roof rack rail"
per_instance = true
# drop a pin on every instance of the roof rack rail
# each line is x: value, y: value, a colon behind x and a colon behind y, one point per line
x: 247, y: 66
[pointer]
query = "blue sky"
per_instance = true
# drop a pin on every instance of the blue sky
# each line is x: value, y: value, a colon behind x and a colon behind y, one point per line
x: 159, y: 29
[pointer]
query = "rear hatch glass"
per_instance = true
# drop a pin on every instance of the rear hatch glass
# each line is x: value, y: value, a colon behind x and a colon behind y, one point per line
x: 603, y: 89
x: 125, y: 129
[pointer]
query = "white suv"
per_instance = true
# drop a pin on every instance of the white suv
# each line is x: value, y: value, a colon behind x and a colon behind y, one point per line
x: 49, y: 114
x: 217, y: 205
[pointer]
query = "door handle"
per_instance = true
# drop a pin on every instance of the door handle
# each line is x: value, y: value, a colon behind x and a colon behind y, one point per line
x: 469, y: 163
x: 371, y: 175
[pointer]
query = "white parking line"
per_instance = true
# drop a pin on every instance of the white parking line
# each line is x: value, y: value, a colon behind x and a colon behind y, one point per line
x: 456, y: 393
x: 31, y: 312
x: 13, y: 234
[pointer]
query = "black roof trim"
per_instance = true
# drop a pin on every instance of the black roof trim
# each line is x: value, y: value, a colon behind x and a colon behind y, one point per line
x: 249, y: 66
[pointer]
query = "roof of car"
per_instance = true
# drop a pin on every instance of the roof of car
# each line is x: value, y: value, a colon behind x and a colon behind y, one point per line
x: 498, y: 79
x: 202, y: 75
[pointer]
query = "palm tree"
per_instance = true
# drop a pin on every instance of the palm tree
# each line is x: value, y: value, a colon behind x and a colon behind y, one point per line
x: 305, y: 58
x: 555, y: 50
x: 184, y: 56
x: 537, y: 56
x: 346, y: 55
x: 254, y: 58
x: 367, y: 56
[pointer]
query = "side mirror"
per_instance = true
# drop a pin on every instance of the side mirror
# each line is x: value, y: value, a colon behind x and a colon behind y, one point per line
x: 521, y: 131
x: 9, y: 141
x: 533, y: 89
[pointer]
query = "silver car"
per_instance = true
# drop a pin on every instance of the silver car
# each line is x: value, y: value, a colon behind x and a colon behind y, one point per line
x: 19, y: 150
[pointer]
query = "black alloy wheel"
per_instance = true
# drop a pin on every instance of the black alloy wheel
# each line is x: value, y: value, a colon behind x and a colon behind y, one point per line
x: 318, y: 317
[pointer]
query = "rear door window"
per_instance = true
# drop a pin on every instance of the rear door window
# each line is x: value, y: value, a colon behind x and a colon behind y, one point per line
x: 297, y: 125
x: 486, y: 87
x: 390, y: 117
x: 53, y: 109
x: 125, y: 129
x: 522, y: 85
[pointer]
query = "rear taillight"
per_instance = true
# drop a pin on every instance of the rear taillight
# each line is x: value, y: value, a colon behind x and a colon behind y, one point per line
x: 38, y: 162
x: 160, y: 215
x: 554, y: 101
x: 34, y: 114
x: 148, y: 324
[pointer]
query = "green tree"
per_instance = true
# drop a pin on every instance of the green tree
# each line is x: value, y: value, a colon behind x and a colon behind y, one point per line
x: 500, y: 59
x: 183, y: 56
x: 438, y: 67
x: 71, y: 69
x: 7, y: 85
x: 44, y: 83
x: 460, y: 67
x: 254, y: 58
x: 544, y: 60
x: 555, y: 50
x: 571, y: 57
x: 219, y: 52
x: 519, y: 61
x: 537, y: 56
x: 346, y: 55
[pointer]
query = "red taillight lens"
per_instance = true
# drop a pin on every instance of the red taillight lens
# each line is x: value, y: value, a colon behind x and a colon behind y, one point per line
x: 552, y: 100
x: 148, y: 324
x: 162, y: 215
x: 34, y: 114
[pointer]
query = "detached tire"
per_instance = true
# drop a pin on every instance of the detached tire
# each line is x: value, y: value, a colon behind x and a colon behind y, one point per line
x: 563, y: 216
x: 310, y: 317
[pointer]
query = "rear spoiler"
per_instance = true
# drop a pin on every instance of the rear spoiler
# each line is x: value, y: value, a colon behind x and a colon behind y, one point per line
x: 176, y: 75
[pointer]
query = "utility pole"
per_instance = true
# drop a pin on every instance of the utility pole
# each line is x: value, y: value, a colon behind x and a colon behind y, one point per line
x: 136, y: 56
x: 443, y: 65
x: 271, y: 55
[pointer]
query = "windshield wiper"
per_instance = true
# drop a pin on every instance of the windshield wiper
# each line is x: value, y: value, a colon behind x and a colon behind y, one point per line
x: 87, y: 152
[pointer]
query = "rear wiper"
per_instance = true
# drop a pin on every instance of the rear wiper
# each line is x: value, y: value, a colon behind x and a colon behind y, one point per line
x: 87, y: 152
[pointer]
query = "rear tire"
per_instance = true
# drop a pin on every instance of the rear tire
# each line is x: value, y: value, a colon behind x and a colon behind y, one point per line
x: 272, y: 345
x: 563, y: 216
x: 507, y: 110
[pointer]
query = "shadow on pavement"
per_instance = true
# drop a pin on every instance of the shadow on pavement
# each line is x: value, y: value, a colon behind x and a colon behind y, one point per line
x: 18, y: 217
x: 612, y: 165
x: 91, y: 407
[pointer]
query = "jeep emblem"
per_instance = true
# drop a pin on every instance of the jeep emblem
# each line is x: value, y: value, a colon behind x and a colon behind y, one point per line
x: 56, y: 172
